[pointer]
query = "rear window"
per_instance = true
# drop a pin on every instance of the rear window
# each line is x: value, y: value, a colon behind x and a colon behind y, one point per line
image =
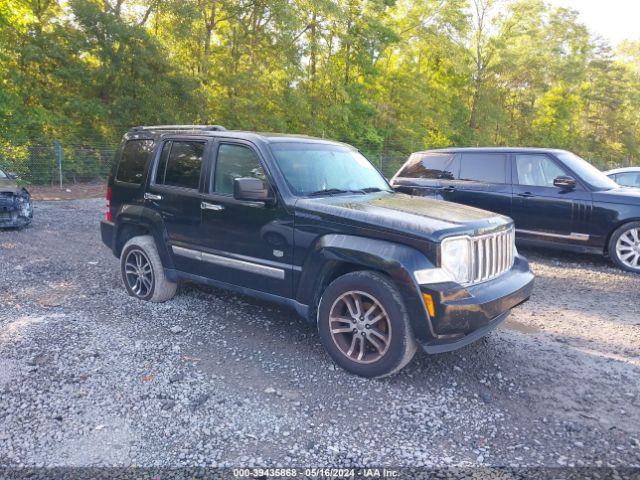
x: 483, y: 167
x: 428, y: 165
x: 134, y: 156
x: 180, y: 164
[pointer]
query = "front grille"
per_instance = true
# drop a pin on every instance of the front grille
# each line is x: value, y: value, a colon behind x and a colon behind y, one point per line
x: 492, y: 255
x: 5, y: 216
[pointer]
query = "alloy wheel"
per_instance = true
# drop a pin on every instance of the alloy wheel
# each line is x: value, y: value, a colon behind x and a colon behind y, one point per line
x: 138, y: 273
x: 628, y: 248
x: 360, y: 327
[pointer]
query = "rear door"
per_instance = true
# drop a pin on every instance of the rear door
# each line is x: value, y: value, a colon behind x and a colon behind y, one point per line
x: 543, y: 211
x: 175, y: 193
x: 481, y: 180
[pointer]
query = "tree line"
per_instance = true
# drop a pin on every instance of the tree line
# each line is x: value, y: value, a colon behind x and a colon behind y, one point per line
x: 389, y: 76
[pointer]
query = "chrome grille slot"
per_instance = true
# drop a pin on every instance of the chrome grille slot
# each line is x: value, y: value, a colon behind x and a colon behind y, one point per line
x: 492, y: 255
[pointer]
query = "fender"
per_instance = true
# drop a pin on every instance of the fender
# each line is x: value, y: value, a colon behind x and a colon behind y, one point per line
x: 140, y: 217
x: 332, y: 252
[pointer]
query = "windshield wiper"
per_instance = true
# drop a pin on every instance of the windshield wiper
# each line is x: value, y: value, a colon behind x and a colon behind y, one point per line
x: 333, y: 191
x: 328, y: 191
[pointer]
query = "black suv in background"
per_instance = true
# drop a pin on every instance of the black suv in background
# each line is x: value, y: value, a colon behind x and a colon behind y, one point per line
x: 555, y: 198
x: 311, y: 224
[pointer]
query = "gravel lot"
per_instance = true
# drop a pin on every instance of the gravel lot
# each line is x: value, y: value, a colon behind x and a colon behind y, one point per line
x: 90, y: 376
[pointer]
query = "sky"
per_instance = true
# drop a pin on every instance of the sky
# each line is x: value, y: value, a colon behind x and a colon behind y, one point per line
x: 615, y: 20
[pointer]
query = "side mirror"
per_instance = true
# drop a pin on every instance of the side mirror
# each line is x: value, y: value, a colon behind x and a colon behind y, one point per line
x: 565, y: 183
x: 12, y: 175
x: 252, y: 189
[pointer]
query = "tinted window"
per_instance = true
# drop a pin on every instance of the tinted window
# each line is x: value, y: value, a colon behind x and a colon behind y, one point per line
x: 180, y: 163
x: 428, y: 165
x: 132, y: 160
x: 235, y: 161
x: 630, y: 179
x: 537, y: 170
x: 483, y: 167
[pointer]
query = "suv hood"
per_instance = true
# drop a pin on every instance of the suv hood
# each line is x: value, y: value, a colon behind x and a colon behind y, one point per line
x: 404, y: 214
x: 8, y: 185
x: 623, y: 195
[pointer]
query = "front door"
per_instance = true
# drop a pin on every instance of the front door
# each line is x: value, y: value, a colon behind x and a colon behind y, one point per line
x: 542, y: 211
x: 245, y: 243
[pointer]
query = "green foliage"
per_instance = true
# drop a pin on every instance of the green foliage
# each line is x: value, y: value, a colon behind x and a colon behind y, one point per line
x: 390, y: 76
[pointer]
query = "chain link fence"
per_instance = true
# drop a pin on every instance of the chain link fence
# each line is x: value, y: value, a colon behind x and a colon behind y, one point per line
x: 57, y: 163
x: 63, y: 164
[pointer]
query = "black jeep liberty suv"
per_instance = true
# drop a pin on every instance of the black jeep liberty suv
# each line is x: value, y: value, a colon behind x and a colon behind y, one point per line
x: 310, y: 223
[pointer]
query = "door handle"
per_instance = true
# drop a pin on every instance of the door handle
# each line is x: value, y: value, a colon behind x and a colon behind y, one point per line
x: 450, y: 188
x: 526, y: 194
x: 210, y: 206
x: 151, y: 196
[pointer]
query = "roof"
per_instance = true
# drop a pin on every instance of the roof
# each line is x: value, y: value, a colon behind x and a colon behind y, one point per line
x: 622, y: 170
x: 219, y: 131
x: 494, y: 149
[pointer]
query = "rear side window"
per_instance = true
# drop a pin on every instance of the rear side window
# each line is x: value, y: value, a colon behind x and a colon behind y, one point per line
x: 428, y: 165
x: 483, y: 167
x: 180, y: 164
x: 134, y: 156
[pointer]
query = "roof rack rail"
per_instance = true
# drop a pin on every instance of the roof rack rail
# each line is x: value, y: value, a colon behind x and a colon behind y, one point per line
x: 211, y: 128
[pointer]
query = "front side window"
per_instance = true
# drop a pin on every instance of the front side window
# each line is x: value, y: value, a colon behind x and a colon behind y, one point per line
x: 428, y: 165
x: 132, y: 160
x: 319, y: 168
x: 180, y: 164
x: 537, y: 170
x: 483, y: 167
x: 235, y: 161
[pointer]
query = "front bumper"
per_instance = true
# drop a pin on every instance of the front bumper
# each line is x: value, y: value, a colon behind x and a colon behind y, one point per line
x: 464, y: 314
x: 14, y: 214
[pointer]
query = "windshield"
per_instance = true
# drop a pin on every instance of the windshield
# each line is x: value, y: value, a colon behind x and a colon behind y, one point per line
x: 316, y: 168
x: 587, y: 172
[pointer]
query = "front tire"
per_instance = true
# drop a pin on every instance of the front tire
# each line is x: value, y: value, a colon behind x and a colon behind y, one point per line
x: 364, y: 325
x: 624, y: 247
x: 143, y: 273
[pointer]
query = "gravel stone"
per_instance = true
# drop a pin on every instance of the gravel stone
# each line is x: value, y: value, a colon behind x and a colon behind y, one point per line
x: 556, y: 384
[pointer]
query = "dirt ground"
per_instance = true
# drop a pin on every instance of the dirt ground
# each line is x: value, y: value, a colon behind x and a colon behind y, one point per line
x: 68, y: 191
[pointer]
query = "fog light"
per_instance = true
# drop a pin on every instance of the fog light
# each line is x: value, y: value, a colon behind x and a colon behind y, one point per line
x: 428, y: 301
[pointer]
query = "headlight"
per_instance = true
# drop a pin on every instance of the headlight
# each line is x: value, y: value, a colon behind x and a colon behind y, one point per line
x: 456, y: 263
x: 456, y: 258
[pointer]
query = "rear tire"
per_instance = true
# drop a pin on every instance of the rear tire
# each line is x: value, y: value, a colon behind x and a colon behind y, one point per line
x: 364, y: 325
x: 624, y: 247
x: 142, y: 271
